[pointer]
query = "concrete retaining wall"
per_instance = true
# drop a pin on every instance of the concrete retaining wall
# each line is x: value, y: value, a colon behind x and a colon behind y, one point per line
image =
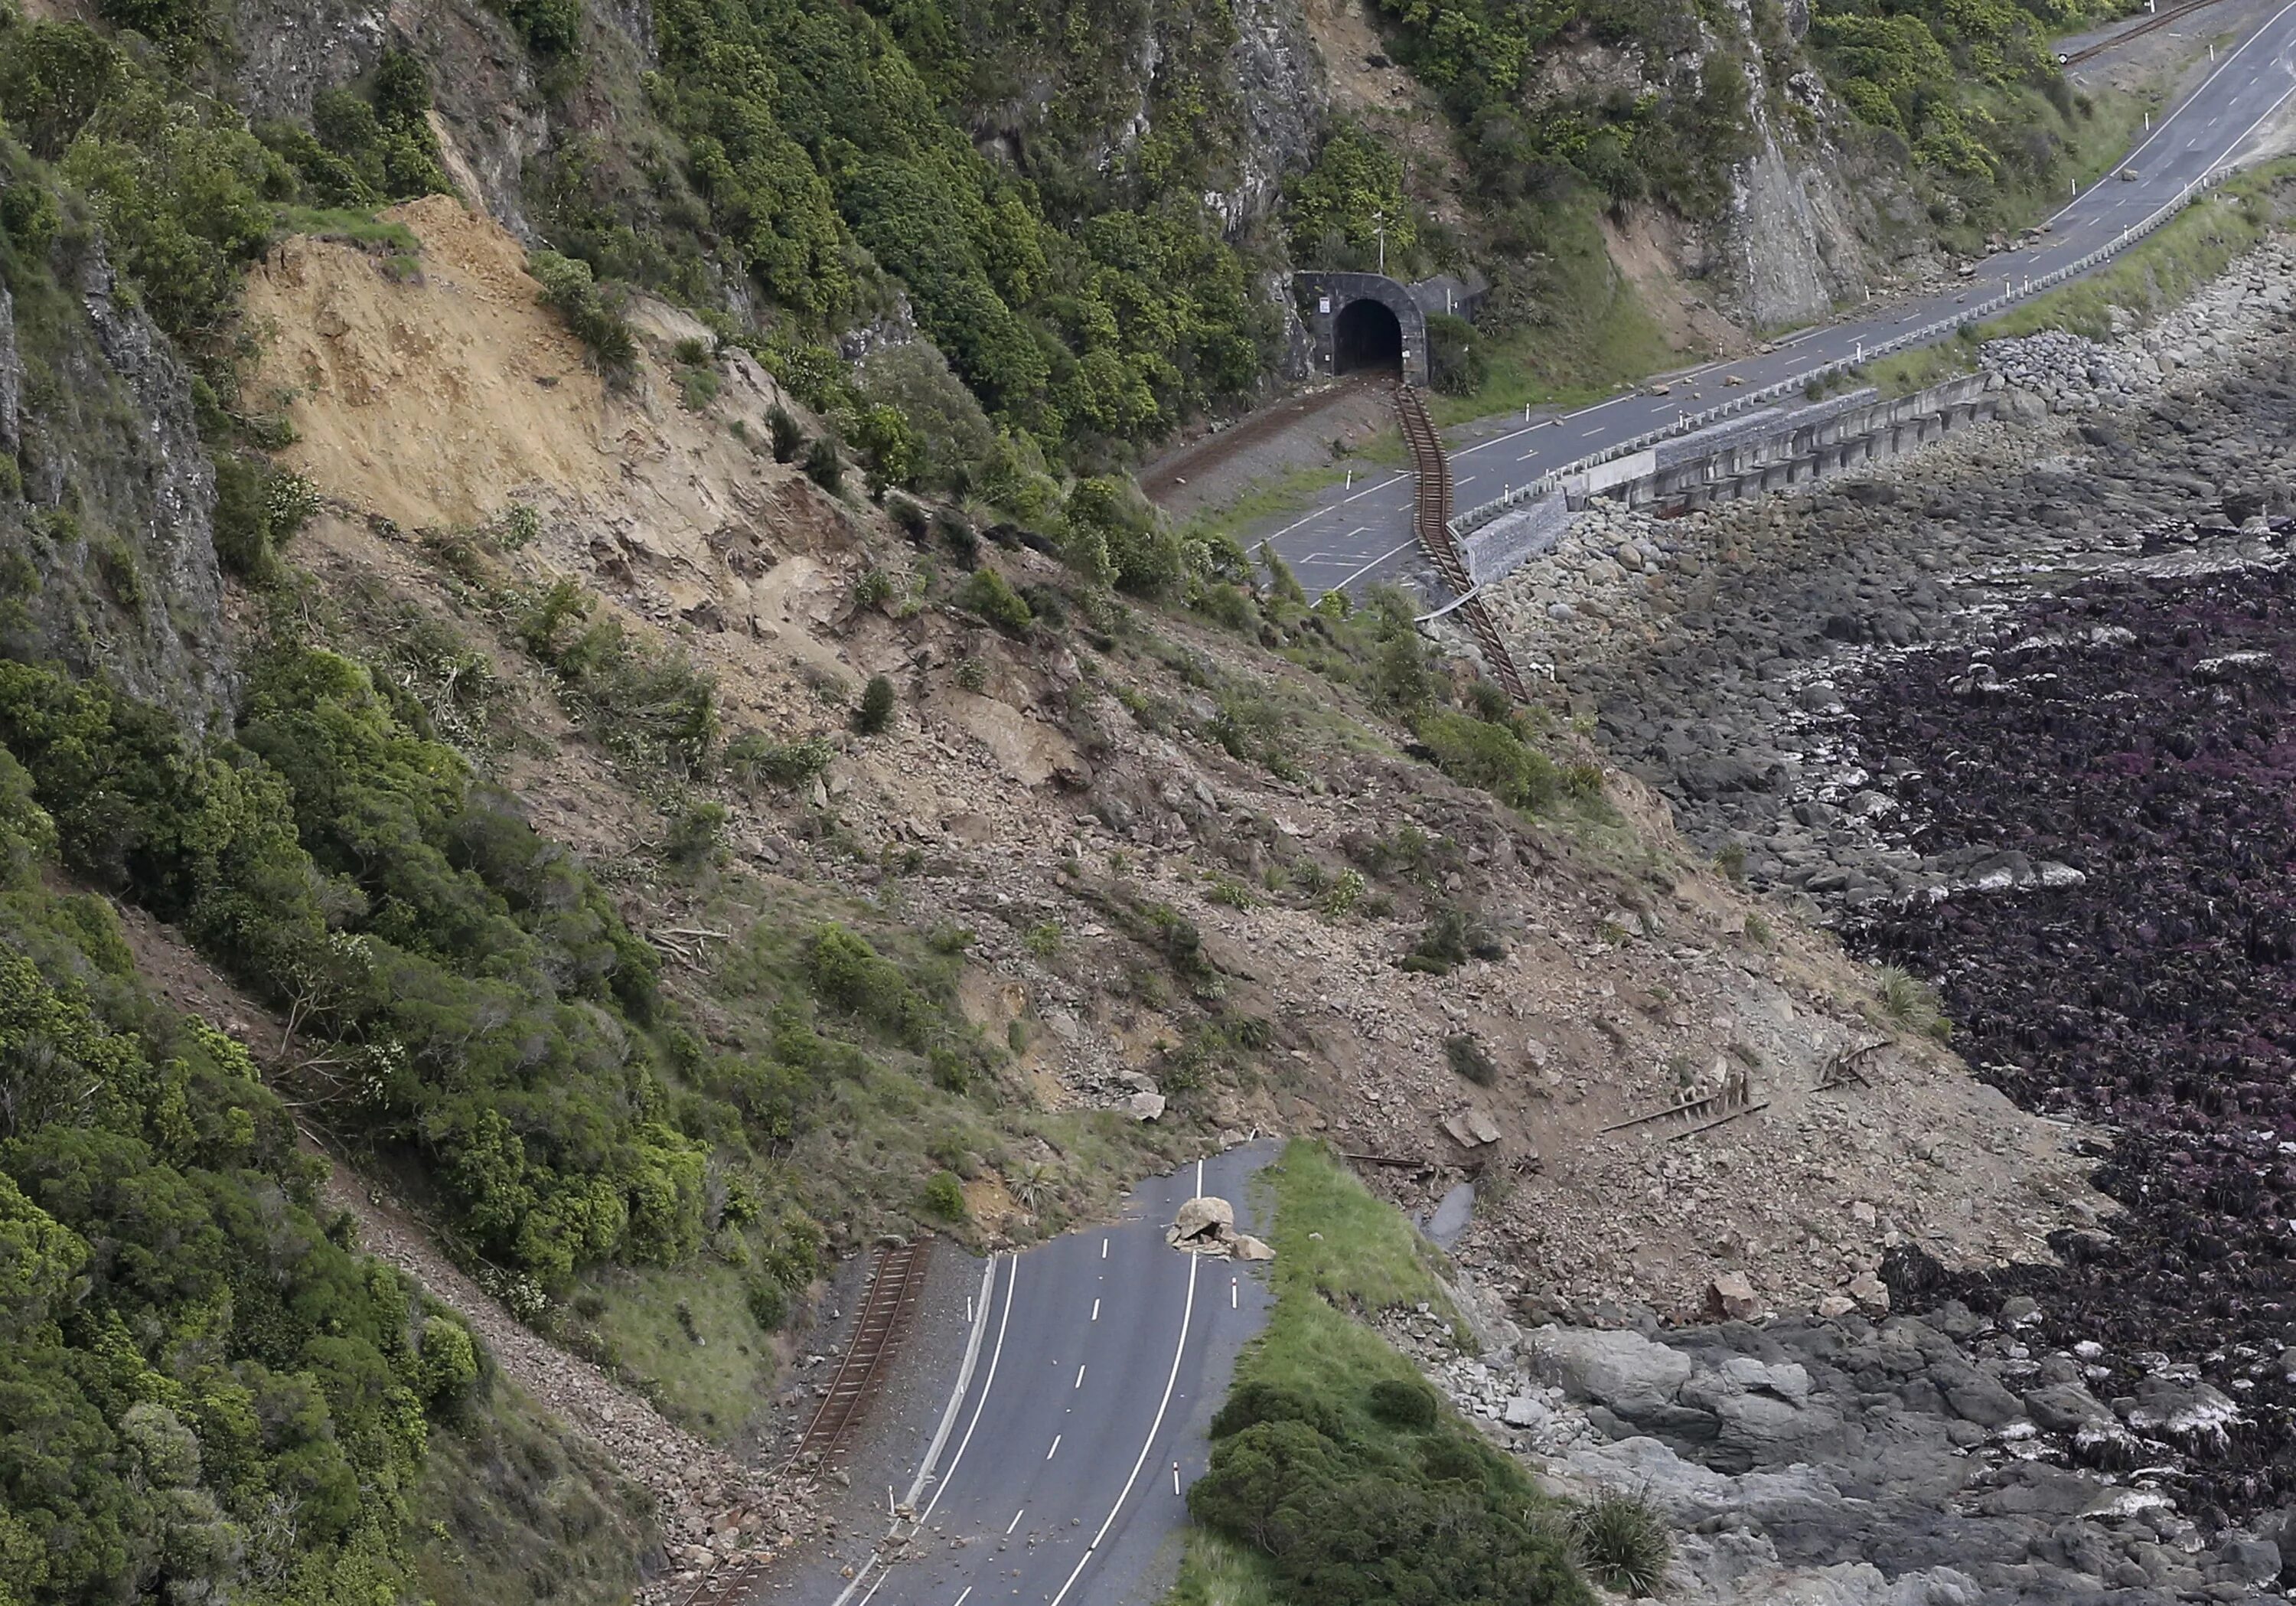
x: 1514, y: 537
x: 1784, y: 446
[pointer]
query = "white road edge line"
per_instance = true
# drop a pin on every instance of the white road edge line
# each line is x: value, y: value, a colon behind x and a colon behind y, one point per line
x: 847, y: 1593
x: 1311, y: 517
x: 1374, y: 564
x: 963, y: 1381
x: 1012, y: 1276
x: 1187, y: 1314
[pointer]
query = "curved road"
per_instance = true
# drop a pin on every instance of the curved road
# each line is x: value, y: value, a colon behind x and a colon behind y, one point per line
x: 1355, y: 538
x: 1100, y: 1358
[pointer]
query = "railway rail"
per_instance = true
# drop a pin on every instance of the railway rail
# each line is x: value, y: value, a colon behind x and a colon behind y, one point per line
x: 2162, y: 19
x: 888, y: 1308
x: 1431, y: 513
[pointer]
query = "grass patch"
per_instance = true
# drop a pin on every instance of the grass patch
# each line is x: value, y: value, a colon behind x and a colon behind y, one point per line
x: 1337, y: 1244
x: 2194, y: 247
x: 348, y: 226
x: 1215, y: 1570
x: 1902, y: 373
x: 1591, y: 335
x: 686, y: 1334
x: 1271, y: 498
x: 512, y: 1509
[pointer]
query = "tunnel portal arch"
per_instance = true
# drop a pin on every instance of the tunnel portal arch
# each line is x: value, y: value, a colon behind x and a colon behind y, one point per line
x: 1363, y: 323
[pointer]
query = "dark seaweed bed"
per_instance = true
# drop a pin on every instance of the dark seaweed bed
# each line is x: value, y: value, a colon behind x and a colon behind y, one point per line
x: 2159, y: 996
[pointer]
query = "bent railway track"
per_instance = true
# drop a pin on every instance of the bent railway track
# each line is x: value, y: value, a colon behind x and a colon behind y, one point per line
x: 888, y: 1308
x: 1431, y: 504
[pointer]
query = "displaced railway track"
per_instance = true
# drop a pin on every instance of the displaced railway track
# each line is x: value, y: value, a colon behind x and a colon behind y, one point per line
x: 1431, y: 514
x: 889, y: 1307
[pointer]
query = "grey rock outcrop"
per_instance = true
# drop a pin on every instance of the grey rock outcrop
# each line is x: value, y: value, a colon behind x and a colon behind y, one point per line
x: 1279, y: 78
x: 117, y: 512
x: 1855, y: 1463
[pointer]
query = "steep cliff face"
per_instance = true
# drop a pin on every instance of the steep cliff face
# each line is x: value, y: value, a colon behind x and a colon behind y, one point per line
x: 1283, y: 94
x: 114, y: 521
x: 1810, y: 222
x: 490, y: 117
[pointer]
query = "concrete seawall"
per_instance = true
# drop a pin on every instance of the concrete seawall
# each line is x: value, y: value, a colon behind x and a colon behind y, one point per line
x: 1786, y: 446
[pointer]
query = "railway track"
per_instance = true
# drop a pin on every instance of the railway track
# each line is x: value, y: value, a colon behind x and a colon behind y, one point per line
x: 1432, y: 515
x: 888, y: 1308
x: 2172, y: 14
x: 728, y: 1585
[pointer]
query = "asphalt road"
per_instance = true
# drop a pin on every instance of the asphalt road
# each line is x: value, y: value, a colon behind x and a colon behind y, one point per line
x: 1102, y: 1356
x: 1362, y: 535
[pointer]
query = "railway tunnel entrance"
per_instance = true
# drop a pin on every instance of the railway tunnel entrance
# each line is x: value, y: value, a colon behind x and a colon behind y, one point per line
x: 1366, y: 338
x: 1361, y: 323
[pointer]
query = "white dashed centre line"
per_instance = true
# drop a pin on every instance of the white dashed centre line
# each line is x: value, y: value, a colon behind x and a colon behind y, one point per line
x: 1055, y: 1450
x: 1016, y: 1520
x: 1095, y: 1310
x: 1079, y: 1382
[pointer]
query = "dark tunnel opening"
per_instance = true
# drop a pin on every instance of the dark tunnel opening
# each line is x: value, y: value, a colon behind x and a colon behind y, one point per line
x: 1366, y: 338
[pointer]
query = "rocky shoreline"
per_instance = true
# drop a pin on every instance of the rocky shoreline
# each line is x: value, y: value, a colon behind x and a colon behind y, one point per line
x: 1942, y: 1460
x: 2012, y: 714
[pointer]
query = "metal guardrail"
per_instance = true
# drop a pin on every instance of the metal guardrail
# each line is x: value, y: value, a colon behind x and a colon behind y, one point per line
x: 1475, y: 518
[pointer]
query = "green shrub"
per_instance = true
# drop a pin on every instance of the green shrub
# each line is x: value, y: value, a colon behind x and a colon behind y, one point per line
x: 696, y: 835
x: 824, y: 466
x: 944, y: 1197
x: 1470, y: 1060
x: 768, y: 1303
x: 1457, y: 364
x: 1493, y: 757
x: 753, y: 757
x: 1622, y: 1542
x: 456, y: 980
x: 787, y: 434
x: 1257, y: 1400
x: 53, y: 78
x: 550, y: 27
x: 1404, y: 1402
x: 160, y: 18
x: 1451, y: 938
x: 648, y: 708
x: 29, y: 217
x: 875, y: 714
x: 987, y: 594
x: 592, y: 315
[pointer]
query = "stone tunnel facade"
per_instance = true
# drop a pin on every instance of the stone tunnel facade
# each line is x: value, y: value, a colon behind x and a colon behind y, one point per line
x: 1349, y: 317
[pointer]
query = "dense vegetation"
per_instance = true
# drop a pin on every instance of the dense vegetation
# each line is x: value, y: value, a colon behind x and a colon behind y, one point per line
x: 1969, y: 91
x: 202, y: 1392
x: 1335, y: 1462
x: 820, y: 141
